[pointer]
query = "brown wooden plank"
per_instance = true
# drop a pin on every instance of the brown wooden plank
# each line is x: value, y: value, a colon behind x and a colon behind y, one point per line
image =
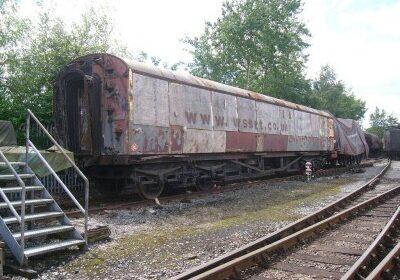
x: 379, y: 215
x: 322, y: 259
x: 306, y: 270
x: 348, y: 239
x: 383, y: 211
x: 260, y: 277
x: 369, y: 220
x: 394, y: 203
x: 338, y: 249
x: 386, y: 209
x: 361, y: 231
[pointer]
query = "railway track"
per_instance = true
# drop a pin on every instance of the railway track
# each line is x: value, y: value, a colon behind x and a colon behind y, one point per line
x: 381, y: 259
x: 102, y: 205
x: 266, y: 250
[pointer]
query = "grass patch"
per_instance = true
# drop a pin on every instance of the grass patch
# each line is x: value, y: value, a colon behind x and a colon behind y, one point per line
x: 282, y: 208
x: 132, y: 246
x: 158, y: 244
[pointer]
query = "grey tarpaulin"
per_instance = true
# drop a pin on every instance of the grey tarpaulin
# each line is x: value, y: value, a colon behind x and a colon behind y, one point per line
x: 350, y: 138
x: 56, y: 159
x: 7, y: 134
x: 8, y: 145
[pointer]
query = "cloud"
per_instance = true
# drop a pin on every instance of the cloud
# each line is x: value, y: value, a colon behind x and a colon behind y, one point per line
x: 361, y: 40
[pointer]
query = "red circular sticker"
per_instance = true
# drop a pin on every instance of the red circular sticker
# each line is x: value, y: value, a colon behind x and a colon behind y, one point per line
x: 134, y: 147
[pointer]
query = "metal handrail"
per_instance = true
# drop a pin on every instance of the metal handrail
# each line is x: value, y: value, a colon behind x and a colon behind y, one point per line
x: 29, y: 143
x: 56, y: 176
x: 20, y: 218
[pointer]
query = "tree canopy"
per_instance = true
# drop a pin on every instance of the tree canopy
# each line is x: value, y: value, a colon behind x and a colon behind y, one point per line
x: 256, y: 45
x: 332, y: 95
x: 380, y: 121
x: 260, y: 45
x: 33, y: 52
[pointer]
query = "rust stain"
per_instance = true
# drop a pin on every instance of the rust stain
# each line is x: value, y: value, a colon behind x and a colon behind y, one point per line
x: 241, y: 141
x: 176, y: 141
x: 275, y: 143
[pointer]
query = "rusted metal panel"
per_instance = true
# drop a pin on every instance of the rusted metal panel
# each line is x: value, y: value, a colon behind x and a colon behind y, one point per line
x: 247, y: 120
x: 303, y: 123
x: 296, y: 143
x: 190, y: 107
x: 187, y: 79
x: 150, y: 101
x: 307, y: 143
x: 225, y: 111
x: 197, y: 113
x: 176, y: 141
x: 315, y: 129
x: 260, y: 142
x: 115, y: 101
x: 275, y: 143
x: 331, y: 128
x: 204, y: 141
x: 288, y: 126
x: 241, y: 141
x: 272, y: 119
x: 149, y: 140
x: 323, y: 127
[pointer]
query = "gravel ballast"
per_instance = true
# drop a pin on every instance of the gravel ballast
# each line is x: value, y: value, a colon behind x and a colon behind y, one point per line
x: 160, y: 242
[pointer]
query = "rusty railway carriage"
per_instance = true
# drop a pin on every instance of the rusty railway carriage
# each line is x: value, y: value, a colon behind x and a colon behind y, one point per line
x: 392, y: 142
x: 131, y: 124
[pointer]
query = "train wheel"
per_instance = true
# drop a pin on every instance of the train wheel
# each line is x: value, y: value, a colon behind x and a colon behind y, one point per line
x: 149, y: 190
x: 204, y: 185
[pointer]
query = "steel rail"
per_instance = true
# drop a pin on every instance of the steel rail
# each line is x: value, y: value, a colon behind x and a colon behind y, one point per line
x: 369, y: 256
x: 80, y: 173
x: 391, y: 263
x: 235, y: 266
x: 285, y: 231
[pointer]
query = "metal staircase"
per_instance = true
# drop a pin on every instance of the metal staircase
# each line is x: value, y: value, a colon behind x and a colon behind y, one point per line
x: 31, y: 221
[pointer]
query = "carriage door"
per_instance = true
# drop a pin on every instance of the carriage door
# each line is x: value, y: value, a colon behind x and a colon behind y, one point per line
x: 82, y: 105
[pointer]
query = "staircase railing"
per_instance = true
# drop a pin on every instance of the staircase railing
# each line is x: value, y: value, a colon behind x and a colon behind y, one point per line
x: 20, y: 218
x: 84, y: 209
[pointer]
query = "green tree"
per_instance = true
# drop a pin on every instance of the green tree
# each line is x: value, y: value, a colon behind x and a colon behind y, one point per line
x: 256, y: 45
x: 380, y: 121
x: 13, y: 31
x: 332, y: 95
x: 32, y: 54
x: 144, y: 57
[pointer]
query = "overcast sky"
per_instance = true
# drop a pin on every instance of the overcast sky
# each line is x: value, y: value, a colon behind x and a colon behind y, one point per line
x: 360, y: 39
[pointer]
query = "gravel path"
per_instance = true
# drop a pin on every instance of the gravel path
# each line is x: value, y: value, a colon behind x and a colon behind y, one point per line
x: 157, y: 243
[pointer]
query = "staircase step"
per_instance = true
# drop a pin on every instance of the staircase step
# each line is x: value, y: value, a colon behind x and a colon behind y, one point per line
x: 44, y: 231
x: 28, y: 202
x: 8, y: 177
x: 33, y: 217
x: 19, y: 163
x: 27, y: 188
x: 43, y: 249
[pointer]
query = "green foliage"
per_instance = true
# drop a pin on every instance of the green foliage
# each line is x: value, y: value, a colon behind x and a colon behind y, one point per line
x: 259, y: 45
x: 332, y: 95
x: 144, y: 57
x: 380, y: 121
x: 256, y: 45
x: 33, y: 52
